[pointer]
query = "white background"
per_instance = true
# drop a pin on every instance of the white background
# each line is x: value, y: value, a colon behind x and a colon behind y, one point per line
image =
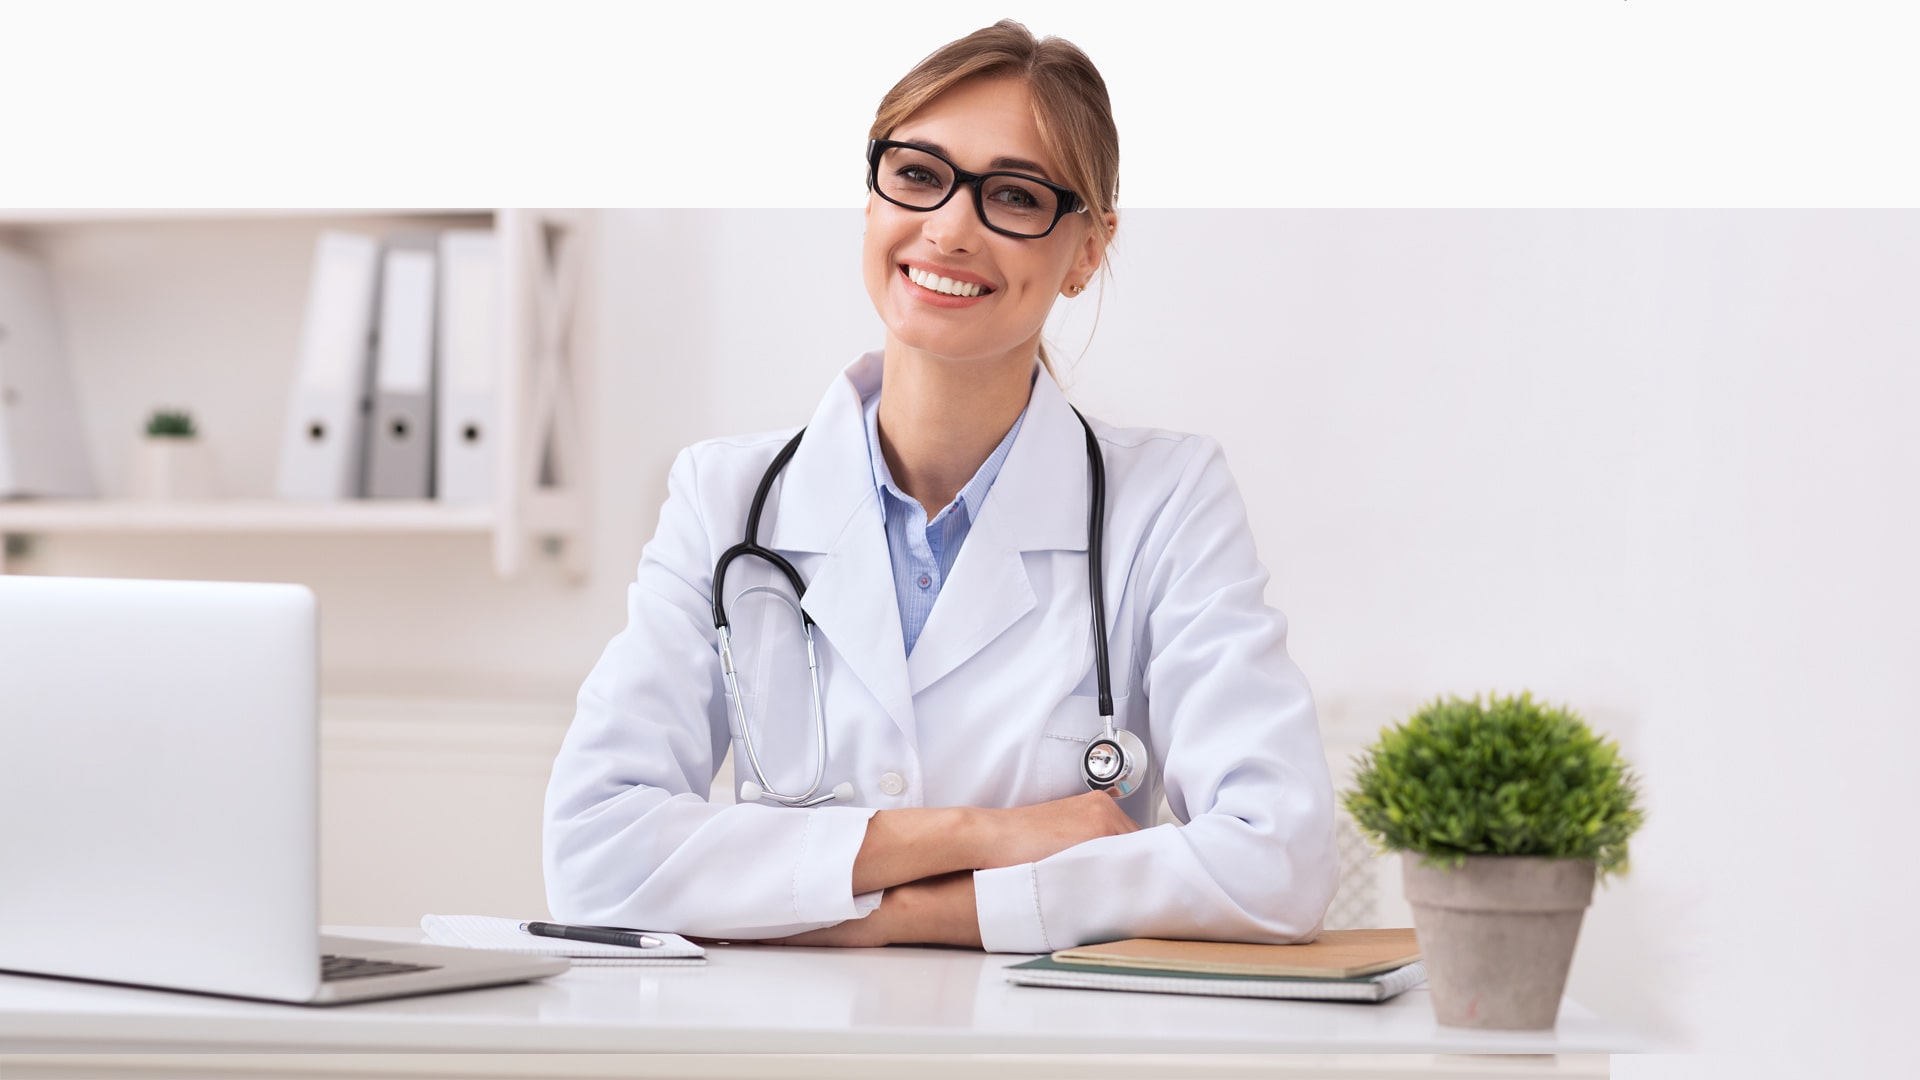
x: 1397, y: 102
x: 1657, y: 465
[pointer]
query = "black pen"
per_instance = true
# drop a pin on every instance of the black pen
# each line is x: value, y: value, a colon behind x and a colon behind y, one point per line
x: 599, y: 935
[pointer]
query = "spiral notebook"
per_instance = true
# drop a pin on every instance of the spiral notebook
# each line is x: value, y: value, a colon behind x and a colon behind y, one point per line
x: 505, y: 935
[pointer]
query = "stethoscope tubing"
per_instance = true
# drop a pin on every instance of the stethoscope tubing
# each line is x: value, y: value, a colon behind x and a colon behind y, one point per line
x: 1096, y: 547
x: 807, y: 797
x: 750, y: 546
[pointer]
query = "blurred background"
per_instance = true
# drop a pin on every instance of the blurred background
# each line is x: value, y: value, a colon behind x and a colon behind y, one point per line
x: 1656, y: 466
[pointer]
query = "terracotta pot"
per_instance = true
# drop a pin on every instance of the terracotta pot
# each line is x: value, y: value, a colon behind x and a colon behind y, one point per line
x: 1497, y: 936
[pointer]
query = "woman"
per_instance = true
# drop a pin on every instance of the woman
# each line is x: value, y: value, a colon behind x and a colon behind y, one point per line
x: 949, y: 800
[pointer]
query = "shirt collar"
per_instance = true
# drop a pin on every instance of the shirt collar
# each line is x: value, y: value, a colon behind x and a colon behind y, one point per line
x: 827, y: 490
x: 975, y: 491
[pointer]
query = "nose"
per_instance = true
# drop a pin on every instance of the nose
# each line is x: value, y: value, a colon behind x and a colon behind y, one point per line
x: 956, y: 226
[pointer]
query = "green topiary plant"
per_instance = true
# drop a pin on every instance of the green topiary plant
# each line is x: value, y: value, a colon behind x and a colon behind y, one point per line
x: 166, y: 423
x: 1511, y: 777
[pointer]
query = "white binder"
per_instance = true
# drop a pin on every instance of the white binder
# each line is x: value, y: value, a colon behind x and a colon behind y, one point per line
x: 42, y: 448
x: 322, y: 449
x: 400, y: 441
x: 470, y: 361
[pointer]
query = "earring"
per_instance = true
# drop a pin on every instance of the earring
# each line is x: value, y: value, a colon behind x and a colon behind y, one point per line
x: 1077, y: 289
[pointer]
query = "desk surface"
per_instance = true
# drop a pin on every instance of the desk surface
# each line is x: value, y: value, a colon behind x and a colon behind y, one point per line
x: 764, y: 999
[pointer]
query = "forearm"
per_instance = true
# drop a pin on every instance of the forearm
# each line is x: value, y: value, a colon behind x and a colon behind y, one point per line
x: 910, y: 845
x: 902, y: 846
x: 937, y: 911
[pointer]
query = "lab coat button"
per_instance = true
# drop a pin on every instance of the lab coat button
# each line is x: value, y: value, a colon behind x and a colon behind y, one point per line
x: 892, y: 784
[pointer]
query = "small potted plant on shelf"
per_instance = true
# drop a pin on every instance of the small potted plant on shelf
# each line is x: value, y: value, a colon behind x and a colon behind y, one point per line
x: 1504, y: 814
x: 171, y: 462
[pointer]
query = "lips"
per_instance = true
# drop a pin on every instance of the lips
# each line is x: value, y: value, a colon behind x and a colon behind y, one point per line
x: 944, y: 284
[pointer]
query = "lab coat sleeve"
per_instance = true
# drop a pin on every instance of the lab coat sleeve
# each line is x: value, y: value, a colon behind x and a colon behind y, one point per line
x: 1234, y: 737
x: 630, y: 838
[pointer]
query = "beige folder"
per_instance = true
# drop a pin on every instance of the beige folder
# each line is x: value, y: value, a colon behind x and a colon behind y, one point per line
x: 1336, y: 954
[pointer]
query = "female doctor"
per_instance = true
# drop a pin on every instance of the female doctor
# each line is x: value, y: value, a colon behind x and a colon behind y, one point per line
x: 962, y: 777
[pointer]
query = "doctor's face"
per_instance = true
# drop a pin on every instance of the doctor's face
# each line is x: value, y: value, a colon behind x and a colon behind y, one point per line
x: 980, y: 125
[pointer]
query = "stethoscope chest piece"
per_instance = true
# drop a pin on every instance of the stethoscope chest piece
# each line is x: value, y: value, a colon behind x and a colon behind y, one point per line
x: 1115, y: 761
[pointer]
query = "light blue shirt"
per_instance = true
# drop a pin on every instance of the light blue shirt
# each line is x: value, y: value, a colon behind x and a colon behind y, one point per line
x: 923, y: 551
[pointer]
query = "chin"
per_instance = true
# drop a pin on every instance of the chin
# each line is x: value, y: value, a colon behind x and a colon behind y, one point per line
x: 959, y: 345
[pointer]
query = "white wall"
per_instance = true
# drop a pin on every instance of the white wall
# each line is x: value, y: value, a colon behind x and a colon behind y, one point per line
x: 1655, y: 465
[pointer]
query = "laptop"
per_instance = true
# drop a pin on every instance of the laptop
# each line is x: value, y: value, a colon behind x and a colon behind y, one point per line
x: 159, y: 799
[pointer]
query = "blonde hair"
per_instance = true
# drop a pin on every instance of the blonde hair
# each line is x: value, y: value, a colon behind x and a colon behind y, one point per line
x: 1070, y: 106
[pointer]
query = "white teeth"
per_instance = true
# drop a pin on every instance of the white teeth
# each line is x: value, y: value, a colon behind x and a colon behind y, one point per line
x: 942, y: 285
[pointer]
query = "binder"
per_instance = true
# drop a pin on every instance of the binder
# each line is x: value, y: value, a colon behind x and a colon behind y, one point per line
x: 470, y: 361
x: 42, y: 449
x: 322, y: 450
x: 400, y: 441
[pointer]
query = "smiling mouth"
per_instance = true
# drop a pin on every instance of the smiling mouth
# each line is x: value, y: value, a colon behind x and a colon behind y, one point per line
x: 946, y: 286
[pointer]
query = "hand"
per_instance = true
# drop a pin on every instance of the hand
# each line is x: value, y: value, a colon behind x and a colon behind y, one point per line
x: 1025, y: 834
x: 932, y: 911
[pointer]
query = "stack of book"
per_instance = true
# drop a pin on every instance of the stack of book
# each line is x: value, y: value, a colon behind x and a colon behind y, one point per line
x: 1341, y: 965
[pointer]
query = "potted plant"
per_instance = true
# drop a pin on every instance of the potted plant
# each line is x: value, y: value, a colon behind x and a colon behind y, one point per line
x: 171, y: 462
x: 1513, y: 809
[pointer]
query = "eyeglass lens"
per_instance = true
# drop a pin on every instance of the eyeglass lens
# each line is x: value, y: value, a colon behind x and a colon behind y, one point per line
x: 920, y: 180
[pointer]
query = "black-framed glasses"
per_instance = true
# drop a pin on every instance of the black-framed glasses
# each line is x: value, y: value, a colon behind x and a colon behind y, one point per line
x: 1010, y: 203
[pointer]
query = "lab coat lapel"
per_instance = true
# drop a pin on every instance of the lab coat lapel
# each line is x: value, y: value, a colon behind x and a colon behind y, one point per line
x: 1038, y: 502
x: 851, y: 599
x: 827, y: 504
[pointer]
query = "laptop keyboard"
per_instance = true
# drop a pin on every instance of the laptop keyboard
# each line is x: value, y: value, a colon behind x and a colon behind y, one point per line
x: 335, y: 968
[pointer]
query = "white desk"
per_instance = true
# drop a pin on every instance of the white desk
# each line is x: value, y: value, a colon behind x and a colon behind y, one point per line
x: 765, y: 1002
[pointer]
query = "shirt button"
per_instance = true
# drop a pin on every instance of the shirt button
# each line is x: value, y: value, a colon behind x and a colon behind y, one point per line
x: 892, y: 784
x: 925, y: 581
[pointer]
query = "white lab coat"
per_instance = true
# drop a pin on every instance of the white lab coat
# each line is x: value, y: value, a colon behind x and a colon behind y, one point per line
x: 993, y: 709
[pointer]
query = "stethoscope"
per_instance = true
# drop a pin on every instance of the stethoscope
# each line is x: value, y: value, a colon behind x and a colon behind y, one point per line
x: 1114, y: 761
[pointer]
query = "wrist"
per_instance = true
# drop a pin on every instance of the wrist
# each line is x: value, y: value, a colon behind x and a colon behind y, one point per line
x: 936, y: 911
x: 971, y: 830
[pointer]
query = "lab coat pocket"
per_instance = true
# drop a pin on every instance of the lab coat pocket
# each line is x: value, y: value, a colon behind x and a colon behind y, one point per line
x: 1075, y: 722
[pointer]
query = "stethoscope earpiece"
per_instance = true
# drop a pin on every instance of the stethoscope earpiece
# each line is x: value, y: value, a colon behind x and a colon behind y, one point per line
x: 752, y: 792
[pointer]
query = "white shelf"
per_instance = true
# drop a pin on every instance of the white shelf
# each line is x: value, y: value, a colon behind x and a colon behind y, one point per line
x: 200, y: 308
x: 243, y: 516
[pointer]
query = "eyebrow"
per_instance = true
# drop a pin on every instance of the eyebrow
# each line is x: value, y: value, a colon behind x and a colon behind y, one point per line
x: 1021, y: 164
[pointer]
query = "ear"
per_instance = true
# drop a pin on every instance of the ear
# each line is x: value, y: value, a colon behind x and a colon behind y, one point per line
x: 1086, y: 262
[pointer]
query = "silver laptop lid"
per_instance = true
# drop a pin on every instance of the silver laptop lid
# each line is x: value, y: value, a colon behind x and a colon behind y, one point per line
x: 158, y: 791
